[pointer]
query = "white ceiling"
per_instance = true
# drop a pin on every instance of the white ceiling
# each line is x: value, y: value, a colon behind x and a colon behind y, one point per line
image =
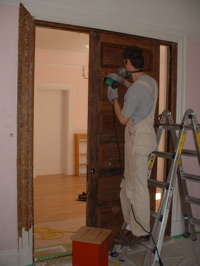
x: 62, y: 40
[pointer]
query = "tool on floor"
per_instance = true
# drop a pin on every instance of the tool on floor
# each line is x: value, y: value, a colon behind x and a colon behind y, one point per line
x: 82, y: 197
x: 177, y: 135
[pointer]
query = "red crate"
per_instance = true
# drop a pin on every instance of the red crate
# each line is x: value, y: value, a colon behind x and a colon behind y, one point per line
x: 90, y: 247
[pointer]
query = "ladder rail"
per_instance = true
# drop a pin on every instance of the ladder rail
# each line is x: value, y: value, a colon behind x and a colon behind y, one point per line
x: 196, y: 135
x: 185, y: 205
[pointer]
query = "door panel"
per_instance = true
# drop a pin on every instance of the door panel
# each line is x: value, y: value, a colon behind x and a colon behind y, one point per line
x: 106, y: 134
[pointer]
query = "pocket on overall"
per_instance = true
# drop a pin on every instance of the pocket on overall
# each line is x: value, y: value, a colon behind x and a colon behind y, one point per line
x: 144, y: 144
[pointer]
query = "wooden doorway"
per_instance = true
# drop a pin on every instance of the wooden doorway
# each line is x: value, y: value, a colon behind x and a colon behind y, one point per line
x: 103, y: 195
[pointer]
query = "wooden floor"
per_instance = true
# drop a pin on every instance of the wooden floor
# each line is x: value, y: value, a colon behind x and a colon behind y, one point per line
x: 55, y: 198
x: 57, y: 213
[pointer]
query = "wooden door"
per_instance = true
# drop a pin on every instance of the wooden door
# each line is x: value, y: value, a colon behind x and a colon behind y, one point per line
x: 105, y: 133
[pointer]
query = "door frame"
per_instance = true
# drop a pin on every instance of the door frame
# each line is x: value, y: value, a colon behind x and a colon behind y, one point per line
x: 68, y: 147
x: 25, y: 122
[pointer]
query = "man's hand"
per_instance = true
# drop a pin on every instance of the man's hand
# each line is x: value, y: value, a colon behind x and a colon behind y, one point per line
x: 115, y: 77
x: 112, y: 94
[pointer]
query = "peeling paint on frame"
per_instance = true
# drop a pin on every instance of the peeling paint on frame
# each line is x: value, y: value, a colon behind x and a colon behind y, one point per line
x: 25, y: 120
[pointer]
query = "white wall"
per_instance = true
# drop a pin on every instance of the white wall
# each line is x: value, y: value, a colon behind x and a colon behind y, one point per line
x: 8, y: 127
x: 54, y: 143
x: 193, y: 91
x: 171, y: 20
x: 178, y: 17
x: 50, y: 121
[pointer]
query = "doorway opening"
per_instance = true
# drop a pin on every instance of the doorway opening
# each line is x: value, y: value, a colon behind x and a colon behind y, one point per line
x: 60, y: 113
x: 98, y: 208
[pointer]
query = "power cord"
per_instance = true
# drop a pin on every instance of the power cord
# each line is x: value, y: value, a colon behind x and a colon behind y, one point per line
x: 116, y: 136
x: 160, y: 261
x: 48, y: 233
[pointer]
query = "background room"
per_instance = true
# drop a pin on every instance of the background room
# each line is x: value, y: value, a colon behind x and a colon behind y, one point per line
x: 60, y: 114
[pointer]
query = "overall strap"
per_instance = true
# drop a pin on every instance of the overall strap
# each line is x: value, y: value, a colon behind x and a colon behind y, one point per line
x: 149, y: 87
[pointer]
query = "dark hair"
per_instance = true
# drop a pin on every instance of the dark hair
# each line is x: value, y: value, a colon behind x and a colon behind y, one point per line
x: 135, y: 55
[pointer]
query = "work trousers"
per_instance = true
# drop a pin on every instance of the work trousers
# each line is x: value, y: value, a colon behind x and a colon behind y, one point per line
x: 140, y: 141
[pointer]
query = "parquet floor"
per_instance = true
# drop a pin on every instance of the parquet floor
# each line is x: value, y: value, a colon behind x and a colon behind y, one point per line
x: 56, y: 207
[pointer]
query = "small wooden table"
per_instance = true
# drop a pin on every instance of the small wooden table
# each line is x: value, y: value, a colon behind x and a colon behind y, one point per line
x: 90, y: 246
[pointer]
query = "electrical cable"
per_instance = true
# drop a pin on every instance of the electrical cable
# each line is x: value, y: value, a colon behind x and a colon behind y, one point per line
x: 116, y: 136
x: 160, y: 261
x: 48, y: 233
x: 113, y: 263
x: 117, y: 140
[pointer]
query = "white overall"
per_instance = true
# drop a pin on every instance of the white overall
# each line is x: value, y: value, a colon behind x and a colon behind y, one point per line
x: 140, y: 141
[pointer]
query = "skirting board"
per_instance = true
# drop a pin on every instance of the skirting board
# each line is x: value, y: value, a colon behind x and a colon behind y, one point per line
x: 179, y: 229
x: 9, y: 257
x: 52, y: 171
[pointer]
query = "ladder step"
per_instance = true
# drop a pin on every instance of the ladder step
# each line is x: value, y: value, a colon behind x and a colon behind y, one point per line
x: 193, y: 200
x: 174, y: 126
x: 169, y: 126
x: 189, y: 153
x: 167, y: 155
x: 195, y: 221
x: 156, y: 183
x: 147, y: 245
x: 195, y: 178
x: 153, y: 214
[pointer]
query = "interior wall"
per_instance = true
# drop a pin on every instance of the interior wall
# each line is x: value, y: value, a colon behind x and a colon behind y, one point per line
x: 175, y: 26
x: 8, y: 127
x: 136, y: 17
x: 192, y: 94
x: 50, y: 118
x: 60, y: 68
x: 192, y: 76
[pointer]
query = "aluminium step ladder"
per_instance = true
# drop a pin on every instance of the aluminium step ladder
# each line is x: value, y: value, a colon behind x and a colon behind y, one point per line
x: 153, y: 247
x: 189, y: 122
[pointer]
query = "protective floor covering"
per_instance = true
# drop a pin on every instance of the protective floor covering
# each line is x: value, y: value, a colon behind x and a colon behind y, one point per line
x: 175, y: 252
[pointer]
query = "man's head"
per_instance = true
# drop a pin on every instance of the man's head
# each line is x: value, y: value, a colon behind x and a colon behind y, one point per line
x: 135, y: 55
